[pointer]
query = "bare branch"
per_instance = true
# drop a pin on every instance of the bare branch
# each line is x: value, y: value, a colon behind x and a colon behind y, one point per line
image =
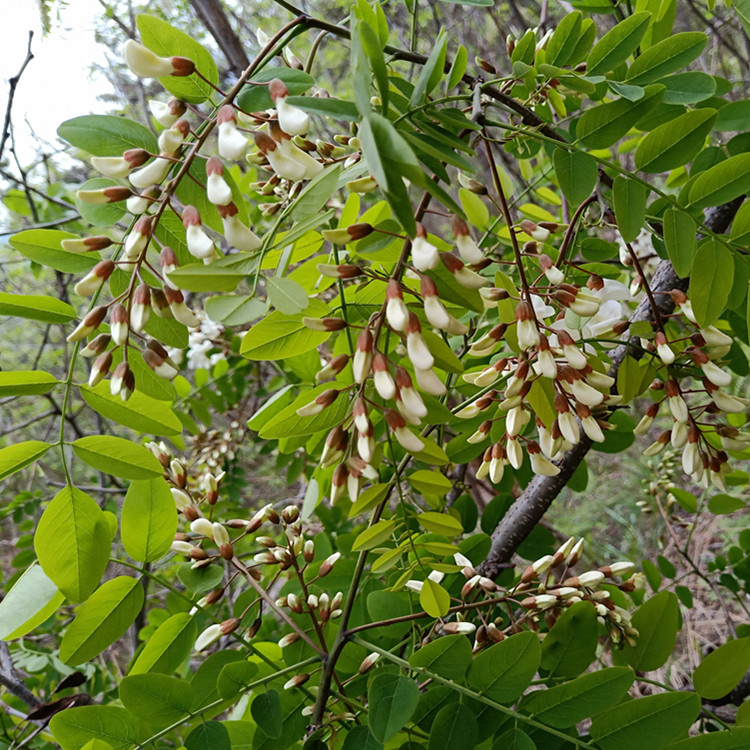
x: 13, y: 83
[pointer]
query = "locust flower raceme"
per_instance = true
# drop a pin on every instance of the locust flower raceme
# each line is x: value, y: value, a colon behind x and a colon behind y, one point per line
x: 526, y: 327
x: 217, y: 190
x: 396, y: 312
x: 232, y: 143
x: 362, y: 361
x: 407, y: 439
x: 199, y: 244
x: 467, y: 247
x: 147, y: 64
x: 137, y: 240
x: 236, y: 233
x: 95, y: 278
x: 120, y: 166
x: 168, y: 113
x: 140, y: 309
x: 292, y: 120
x: 122, y: 382
x: 424, y: 255
x: 416, y: 347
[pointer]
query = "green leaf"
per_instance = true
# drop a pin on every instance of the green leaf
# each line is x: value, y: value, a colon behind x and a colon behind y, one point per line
x: 710, y: 281
x: 617, y: 44
x: 149, y: 519
x: 740, y: 231
x: 36, y: 307
x: 440, y: 523
x: 211, y: 735
x: 235, y: 309
x: 722, y: 504
x: 316, y: 194
x: 390, y: 160
x: 605, y: 124
x: 434, y: 599
x: 721, y: 671
x: 118, y: 457
x: 458, y: 68
x: 368, y: 499
x: 74, y: 727
x: 689, y: 88
x: 168, y: 647
x: 235, y: 677
x: 360, y: 738
x: 373, y: 535
x: 649, y: 723
x: 503, y: 671
x: 733, y: 116
x: 106, y: 135
x: 16, y: 457
x: 679, y: 239
x: 392, y: 700
x: 570, y: 646
x: 565, y: 705
x: 26, y: 383
x: 432, y: 70
x: 287, y: 423
x: 292, y: 721
x: 140, y: 412
x: 156, y: 698
x: 675, y: 142
x: 576, y: 173
x: 454, y: 726
x: 72, y: 542
x: 338, y: 109
x: 721, y: 183
x: 255, y: 97
x: 514, y: 739
x: 430, y: 482
x: 280, y: 336
x: 197, y: 277
x: 167, y: 41
x: 286, y: 295
x: 564, y: 39
x: 33, y: 598
x: 657, y: 622
x: 738, y: 738
x: 666, y: 57
x: 629, y: 199
x: 103, y: 618
x: 449, y: 656
x: 43, y: 246
x: 266, y: 710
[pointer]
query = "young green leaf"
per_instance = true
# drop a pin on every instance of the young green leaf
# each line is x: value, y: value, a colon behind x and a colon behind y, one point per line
x: 721, y: 671
x: 168, y: 647
x: 33, y: 598
x: 36, y: 307
x: 503, y: 671
x: 617, y: 44
x: 675, y: 142
x: 449, y: 656
x: 117, y: 456
x: 649, y: 723
x: 72, y: 542
x: 103, y: 618
x: 149, y: 519
x: 666, y: 57
x: 657, y: 621
x: 576, y: 174
x: 679, y: 239
x: 711, y: 281
x: 74, y: 727
x: 630, y: 206
x: 156, y: 698
x: 392, y: 700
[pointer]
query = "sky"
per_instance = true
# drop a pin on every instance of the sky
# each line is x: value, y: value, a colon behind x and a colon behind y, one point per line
x: 56, y: 84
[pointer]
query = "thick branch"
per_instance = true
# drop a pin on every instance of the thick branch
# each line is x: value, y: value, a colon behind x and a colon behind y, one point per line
x: 541, y: 492
x: 11, y: 680
x: 215, y: 20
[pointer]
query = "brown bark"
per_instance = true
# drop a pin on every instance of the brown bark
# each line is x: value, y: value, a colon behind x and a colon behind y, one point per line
x: 214, y: 18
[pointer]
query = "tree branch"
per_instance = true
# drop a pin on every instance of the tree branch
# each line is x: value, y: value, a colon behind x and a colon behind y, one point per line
x: 13, y: 83
x: 541, y: 492
x: 214, y: 18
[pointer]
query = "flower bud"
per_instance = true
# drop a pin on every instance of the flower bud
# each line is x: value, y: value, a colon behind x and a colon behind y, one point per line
x: 146, y: 64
